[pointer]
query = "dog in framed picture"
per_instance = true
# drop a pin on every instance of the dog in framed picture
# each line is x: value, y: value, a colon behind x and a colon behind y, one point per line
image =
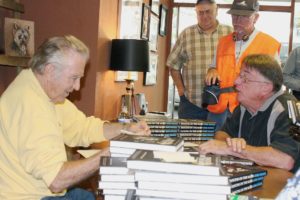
x: 21, y: 36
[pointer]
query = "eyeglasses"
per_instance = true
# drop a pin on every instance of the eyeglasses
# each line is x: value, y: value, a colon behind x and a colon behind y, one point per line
x: 246, y: 80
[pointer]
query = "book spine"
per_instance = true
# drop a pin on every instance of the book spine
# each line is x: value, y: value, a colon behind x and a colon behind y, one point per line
x: 247, y: 187
x: 249, y: 176
x: 248, y: 181
x: 197, y: 138
x: 241, y: 162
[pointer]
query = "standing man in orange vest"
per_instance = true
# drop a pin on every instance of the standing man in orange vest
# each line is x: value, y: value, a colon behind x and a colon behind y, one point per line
x: 231, y: 50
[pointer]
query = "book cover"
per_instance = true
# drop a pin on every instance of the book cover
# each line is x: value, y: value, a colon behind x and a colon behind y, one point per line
x: 156, y: 161
x: 146, y: 142
x: 113, y: 165
x: 235, y: 160
x: 238, y: 172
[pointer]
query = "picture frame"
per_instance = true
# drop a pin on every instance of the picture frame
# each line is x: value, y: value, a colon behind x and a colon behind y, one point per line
x: 163, y: 13
x: 18, y: 37
x: 145, y: 22
x: 154, y: 6
x: 153, y: 34
x: 150, y: 77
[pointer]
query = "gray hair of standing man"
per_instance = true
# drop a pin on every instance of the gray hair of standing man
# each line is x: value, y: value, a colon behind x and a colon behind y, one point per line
x: 54, y: 51
x: 205, y: 1
x: 267, y: 66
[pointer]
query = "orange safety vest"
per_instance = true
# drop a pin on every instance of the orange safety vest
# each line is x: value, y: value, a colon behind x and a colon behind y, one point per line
x: 229, y: 70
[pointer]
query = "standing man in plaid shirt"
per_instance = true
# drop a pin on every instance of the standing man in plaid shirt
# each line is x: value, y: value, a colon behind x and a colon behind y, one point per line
x: 191, y: 56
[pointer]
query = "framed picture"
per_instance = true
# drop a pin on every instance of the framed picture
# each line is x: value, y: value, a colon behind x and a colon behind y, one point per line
x: 145, y: 22
x: 154, y: 6
x: 150, y: 77
x: 153, y: 35
x: 163, y: 12
x: 18, y: 37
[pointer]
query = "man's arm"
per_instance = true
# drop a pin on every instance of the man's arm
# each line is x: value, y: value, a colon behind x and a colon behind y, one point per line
x: 72, y: 172
x: 268, y: 156
x: 177, y: 78
x: 111, y: 130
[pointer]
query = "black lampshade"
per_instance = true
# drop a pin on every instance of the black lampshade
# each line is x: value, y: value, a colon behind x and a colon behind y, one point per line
x: 129, y: 55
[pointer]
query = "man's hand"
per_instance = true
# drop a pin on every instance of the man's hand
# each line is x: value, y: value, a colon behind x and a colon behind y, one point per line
x: 236, y: 144
x: 140, y: 128
x: 212, y: 76
x: 214, y: 146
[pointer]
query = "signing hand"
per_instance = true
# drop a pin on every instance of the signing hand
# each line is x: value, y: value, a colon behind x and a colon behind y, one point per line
x: 140, y: 128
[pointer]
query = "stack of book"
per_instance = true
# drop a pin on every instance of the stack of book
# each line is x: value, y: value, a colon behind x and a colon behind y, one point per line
x: 124, y: 145
x: 188, y: 129
x: 115, y: 177
x: 177, y: 176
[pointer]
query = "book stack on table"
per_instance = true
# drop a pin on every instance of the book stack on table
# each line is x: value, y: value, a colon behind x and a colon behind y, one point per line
x: 175, y: 175
x: 115, y: 177
x: 188, y: 129
x: 124, y: 145
x: 164, y: 175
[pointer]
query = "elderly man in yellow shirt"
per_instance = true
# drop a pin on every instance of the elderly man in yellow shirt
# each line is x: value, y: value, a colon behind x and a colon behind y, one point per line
x: 36, y: 121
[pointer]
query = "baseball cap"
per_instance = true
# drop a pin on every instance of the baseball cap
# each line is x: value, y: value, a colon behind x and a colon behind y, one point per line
x: 243, y: 7
x: 205, y: 1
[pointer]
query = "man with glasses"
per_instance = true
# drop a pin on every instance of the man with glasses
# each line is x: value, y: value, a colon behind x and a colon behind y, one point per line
x: 191, y: 56
x: 231, y: 50
x: 258, y: 129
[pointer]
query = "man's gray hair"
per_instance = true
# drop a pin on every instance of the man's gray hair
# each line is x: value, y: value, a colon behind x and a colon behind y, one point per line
x: 267, y: 66
x: 53, y: 51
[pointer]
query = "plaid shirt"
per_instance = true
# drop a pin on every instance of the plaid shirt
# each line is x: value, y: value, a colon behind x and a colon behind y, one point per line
x: 193, y: 52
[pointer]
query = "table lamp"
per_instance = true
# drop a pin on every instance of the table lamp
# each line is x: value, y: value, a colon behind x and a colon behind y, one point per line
x: 129, y: 55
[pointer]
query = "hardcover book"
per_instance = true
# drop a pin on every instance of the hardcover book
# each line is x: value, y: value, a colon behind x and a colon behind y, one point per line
x: 118, y: 177
x: 116, y: 185
x: 114, y: 191
x: 113, y: 165
x: 238, y: 172
x: 177, y: 162
x: 196, y: 179
x: 146, y: 142
x: 184, y: 187
x: 182, y: 178
x: 235, y: 160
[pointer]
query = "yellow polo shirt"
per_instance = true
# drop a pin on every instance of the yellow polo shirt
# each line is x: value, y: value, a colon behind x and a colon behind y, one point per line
x: 33, y: 132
